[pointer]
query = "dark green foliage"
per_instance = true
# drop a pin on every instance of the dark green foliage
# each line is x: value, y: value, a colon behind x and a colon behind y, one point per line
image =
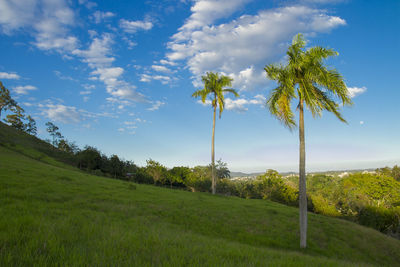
x: 30, y: 126
x: 273, y: 187
x: 117, y: 166
x: 89, y: 158
x: 179, y: 175
x: 221, y: 170
x: 382, y: 219
x: 199, y: 179
x: 15, y: 121
x: 66, y: 146
x: 141, y: 176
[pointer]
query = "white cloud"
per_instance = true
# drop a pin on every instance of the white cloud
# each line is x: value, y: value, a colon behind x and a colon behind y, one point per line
x: 100, y: 16
x: 24, y: 90
x: 98, y: 57
x: 48, y: 20
x: 166, y: 62
x: 61, y: 113
x: 237, y: 104
x: 16, y: 14
x: 156, y: 105
x: 242, y: 47
x: 134, y: 26
x: 88, y: 4
x: 10, y: 76
x: 205, y: 12
x: 207, y: 102
x: 99, y: 52
x: 361, y: 122
x: 240, y: 104
x: 258, y: 100
x: 161, y: 68
x: 162, y: 78
x: 355, y: 91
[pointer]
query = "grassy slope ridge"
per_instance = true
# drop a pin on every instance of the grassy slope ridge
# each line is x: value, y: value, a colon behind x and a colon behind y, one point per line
x: 54, y: 215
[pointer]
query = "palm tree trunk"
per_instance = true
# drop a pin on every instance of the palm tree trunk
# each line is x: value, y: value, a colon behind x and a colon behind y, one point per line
x: 213, y: 182
x: 302, y: 181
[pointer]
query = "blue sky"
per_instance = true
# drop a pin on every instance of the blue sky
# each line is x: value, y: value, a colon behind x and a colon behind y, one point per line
x: 119, y: 75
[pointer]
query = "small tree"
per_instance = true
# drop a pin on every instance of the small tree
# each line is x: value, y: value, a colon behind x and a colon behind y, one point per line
x: 30, y: 126
x: 6, y: 102
x: 52, y: 129
x: 15, y: 121
x: 116, y: 166
x: 222, y: 170
x: 157, y: 171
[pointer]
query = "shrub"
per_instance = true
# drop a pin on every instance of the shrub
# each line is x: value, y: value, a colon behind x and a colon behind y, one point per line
x: 141, y: 176
x: 379, y: 218
x: 323, y: 206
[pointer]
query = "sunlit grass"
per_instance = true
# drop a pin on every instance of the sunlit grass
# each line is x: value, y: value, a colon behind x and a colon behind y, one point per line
x: 51, y: 215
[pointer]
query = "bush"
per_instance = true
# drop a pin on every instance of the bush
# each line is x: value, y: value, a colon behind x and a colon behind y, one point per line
x: 381, y: 219
x: 141, y: 176
x: 322, y: 206
x: 226, y: 187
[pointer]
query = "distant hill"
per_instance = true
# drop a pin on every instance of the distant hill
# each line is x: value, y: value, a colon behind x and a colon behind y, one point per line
x: 55, y: 215
x: 242, y: 174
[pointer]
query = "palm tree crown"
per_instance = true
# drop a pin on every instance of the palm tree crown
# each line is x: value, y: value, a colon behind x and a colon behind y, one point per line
x: 306, y: 75
x: 214, y: 85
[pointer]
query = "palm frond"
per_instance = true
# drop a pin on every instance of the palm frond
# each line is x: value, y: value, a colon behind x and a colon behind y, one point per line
x: 230, y: 90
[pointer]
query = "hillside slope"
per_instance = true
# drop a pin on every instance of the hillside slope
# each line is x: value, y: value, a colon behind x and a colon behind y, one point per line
x: 52, y: 215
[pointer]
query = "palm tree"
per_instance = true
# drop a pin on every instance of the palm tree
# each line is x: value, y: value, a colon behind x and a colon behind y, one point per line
x: 214, y: 84
x: 306, y: 78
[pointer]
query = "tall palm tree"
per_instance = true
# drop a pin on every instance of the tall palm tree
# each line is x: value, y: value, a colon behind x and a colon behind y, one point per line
x: 316, y: 87
x: 214, y: 85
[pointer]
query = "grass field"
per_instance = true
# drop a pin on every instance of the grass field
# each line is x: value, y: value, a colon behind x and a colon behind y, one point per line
x: 53, y: 215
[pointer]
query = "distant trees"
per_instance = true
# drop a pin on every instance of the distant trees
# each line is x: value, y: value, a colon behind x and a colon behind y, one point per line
x: 30, y: 126
x: 214, y: 86
x: 306, y: 78
x: 393, y: 172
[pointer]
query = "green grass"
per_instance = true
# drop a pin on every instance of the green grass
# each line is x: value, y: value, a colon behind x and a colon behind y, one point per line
x: 52, y: 215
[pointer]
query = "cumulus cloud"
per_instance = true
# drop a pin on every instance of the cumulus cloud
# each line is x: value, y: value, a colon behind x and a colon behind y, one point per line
x: 24, y: 90
x: 99, y: 57
x: 61, y: 113
x: 162, y: 78
x: 242, y: 47
x: 10, y: 76
x: 161, y: 68
x: 134, y: 26
x: 50, y: 21
x: 355, y: 91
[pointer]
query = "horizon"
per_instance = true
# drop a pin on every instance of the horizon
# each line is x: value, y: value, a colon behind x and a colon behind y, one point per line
x: 119, y: 77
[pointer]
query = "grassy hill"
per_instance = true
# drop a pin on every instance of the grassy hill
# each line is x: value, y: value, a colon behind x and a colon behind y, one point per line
x: 53, y: 214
